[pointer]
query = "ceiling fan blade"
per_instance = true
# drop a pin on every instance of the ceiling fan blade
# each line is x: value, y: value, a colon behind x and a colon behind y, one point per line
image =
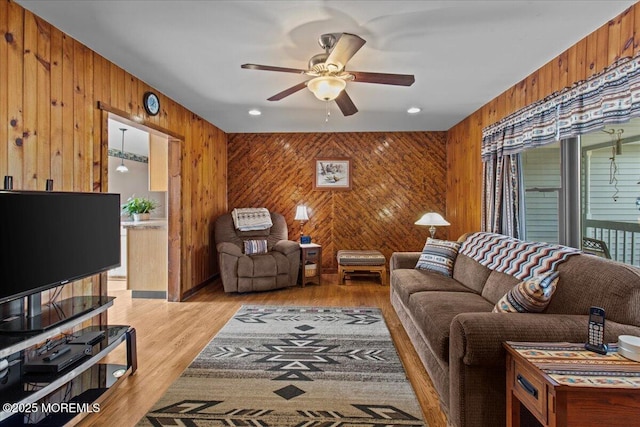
x: 383, y: 78
x: 345, y: 104
x: 346, y: 46
x: 271, y: 68
x: 287, y: 92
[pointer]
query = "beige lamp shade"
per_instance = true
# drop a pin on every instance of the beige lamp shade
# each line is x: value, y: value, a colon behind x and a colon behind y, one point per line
x: 302, y: 216
x: 301, y: 213
x: 432, y: 219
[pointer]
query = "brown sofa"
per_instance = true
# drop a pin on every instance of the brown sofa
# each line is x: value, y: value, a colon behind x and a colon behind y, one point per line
x: 459, y: 339
x: 278, y: 268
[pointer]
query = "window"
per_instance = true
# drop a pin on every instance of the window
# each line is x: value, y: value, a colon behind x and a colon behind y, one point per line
x: 541, y: 178
x: 611, y: 196
x: 601, y: 200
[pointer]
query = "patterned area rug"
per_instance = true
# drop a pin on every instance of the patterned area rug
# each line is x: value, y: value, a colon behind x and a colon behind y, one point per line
x: 293, y: 366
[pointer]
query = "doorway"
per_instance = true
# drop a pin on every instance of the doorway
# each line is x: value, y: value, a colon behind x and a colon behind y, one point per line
x: 151, y: 159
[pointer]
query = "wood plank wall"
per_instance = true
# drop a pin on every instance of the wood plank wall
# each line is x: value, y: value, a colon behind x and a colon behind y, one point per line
x: 619, y: 37
x: 50, y: 85
x: 397, y: 176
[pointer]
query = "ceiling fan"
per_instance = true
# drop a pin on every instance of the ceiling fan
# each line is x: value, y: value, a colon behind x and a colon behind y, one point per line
x: 329, y: 74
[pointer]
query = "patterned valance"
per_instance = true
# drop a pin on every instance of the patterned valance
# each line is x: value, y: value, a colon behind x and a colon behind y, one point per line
x: 610, y: 97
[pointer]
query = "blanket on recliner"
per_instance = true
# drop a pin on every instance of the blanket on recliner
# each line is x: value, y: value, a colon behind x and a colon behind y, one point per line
x: 247, y: 219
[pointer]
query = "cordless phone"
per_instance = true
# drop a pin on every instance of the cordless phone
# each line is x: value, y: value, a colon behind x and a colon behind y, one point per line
x: 595, y: 337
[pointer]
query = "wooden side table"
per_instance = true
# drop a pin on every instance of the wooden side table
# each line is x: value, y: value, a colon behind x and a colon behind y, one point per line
x: 561, y: 384
x: 310, y: 263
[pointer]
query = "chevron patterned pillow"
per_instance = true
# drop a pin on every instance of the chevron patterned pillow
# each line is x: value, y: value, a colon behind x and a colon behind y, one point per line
x: 529, y: 296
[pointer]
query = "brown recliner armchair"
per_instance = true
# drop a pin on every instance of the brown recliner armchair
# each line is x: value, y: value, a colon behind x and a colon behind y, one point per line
x: 278, y: 268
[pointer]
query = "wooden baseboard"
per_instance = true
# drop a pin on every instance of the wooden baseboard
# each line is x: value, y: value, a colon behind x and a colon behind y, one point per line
x: 188, y: 294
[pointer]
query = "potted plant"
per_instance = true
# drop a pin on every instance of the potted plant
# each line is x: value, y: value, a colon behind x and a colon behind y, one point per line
x: 139, y: 208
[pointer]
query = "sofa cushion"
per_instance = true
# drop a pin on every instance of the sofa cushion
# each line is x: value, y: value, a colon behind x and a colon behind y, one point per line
x: 409, y: 281
x: 434, y: 311
x: 497, y: 285
x: 439, y: 256
x: 587, y: 280
x: 529, y: 296
x: 470, y: 273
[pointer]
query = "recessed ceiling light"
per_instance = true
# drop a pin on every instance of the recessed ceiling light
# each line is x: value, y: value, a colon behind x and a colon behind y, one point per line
x: 414, y: 110
x: 255, y: 112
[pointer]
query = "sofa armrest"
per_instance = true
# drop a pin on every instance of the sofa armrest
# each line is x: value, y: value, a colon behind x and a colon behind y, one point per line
x: 476, y: 338
x: 286, y: 247
x: 229, y: 248
x: 403, y: 260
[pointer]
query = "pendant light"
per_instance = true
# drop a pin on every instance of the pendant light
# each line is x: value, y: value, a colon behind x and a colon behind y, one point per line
x: 122, y: 168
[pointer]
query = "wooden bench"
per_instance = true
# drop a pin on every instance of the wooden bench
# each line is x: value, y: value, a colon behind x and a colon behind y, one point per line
x: 361, y: 262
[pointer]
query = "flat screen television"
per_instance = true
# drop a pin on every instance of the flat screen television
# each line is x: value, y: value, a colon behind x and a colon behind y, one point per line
x: 49, y: 239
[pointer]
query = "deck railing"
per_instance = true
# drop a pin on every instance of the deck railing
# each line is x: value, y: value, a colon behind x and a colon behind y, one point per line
x: 622, y: 238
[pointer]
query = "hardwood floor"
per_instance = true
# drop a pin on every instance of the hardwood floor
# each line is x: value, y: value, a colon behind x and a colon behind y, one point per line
x: 170, y: 335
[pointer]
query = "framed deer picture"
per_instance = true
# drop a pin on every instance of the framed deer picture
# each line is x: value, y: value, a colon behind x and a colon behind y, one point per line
x: 332, y: 173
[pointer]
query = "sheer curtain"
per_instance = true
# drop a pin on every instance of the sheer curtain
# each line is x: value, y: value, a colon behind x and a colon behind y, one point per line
x: 610, y: 97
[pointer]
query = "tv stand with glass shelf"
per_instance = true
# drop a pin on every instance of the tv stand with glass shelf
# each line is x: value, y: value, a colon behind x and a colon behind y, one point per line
x: 84, y: 383
x: 53, y: 314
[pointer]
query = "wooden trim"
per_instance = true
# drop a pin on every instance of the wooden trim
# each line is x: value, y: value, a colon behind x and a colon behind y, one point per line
x: 137, y: 121
x: 174, y: 226
x: 104, y: 152
x: 189, y: 293
x: 174, y: 210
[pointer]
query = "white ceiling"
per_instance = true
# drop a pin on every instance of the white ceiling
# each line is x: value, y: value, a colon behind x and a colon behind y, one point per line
x: 136, y: 141
x: 462, y: 53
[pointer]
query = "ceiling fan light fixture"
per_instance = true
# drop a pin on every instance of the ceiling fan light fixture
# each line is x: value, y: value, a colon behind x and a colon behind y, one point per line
x: 414, y: 110
x: 255, y: 112
x: 326, y: 88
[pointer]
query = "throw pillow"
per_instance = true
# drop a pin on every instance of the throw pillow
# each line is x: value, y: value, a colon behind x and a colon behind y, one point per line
x: 255, y: 247
x: 529, y: 296
x: 438, y: 256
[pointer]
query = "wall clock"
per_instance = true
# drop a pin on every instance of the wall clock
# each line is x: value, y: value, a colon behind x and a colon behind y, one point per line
x: 151, y: 103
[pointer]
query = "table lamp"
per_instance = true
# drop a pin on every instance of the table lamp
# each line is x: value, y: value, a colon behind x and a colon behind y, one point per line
x: 302, y: 216
x: 432, y: 219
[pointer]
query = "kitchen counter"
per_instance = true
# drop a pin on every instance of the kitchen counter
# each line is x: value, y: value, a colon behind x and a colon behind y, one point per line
x: 147, y: 258
x: 152, y: 223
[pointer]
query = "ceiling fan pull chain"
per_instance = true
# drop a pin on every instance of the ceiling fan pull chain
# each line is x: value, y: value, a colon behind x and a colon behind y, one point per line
x: 326, y: 120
